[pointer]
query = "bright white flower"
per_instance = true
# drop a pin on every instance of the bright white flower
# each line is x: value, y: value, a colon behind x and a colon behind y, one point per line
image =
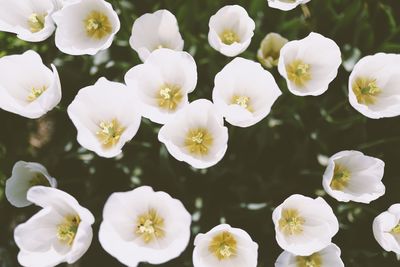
x: 27, y: 87
x: 162, y: 83
x: 270, y: 50
x: 244, y: 92
x: 85, y: 27
x: 374, y: 86
x: 155, y: 30
x: 231, y: 30
x: 309, y: 65
x: 24, y: 176
x: 144, y: 226
x: 224, y: 246
x: 304, y: 225
x: 386, y: 228
x: 106, y: 117
x: 60, y: 232
x: 286, y: 4
x: 196, y: 135
x: 352, y: 176
x: 328, y: 257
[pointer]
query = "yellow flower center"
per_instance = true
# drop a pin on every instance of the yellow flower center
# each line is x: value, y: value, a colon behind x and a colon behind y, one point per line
x: 198, y: 141
x: 366, y: 90
x: 396, y: 229
x: 36, y: 22
x: 223, y: 246
x: 341, y: 178
x: 110, y: 133
x: 169, y: 97
x: 291, y: 223
x: 39, y: 179
x: 150, y: 226
x: 315, y: 260
x: 66, y: 231
x: 36, y: 93
x: 298, y: 72
x: 97, y: 25
x: 243, y: 101
x: 229, y: 37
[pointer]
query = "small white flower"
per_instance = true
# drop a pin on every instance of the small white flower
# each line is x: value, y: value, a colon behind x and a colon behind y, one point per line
x: 224, y: 246
x: 309, y: 65
x: 244, y: 92
x: 352, y: 176
x: 374, y: 86
x: 162, y: 83
x: 270, y: 48
x: 24, y: 176
x: 286, y: 4
x: 144, y: 226
x: 196, y: 135
x: 386, y: 228
x: 106, y: 117
x: 231, y: 30
x: 60, y: 232
x: 27, y: 87
x: 304, y: 225
x: 85, y: 27
x: 155, y: 30
x: 328, y: 257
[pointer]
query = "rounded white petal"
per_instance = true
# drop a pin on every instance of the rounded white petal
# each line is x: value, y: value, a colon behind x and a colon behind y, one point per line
x: 383, y: 226
x: 286, y: 5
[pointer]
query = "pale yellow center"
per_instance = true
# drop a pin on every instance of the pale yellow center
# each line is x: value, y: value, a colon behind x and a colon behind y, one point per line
x: 299, y: 72
x: 223, y: 246
x: 243, y: 101
x: 198, y: 141
x: 396, y: 229
x: 110, y: 132
x: 150, y: 226
x: 315, y: 260
x: 169, y: 97
x: 97, y: 25
x: 36, y: 93
x: 229, y: 37
x: 366, y: 90
x: 291, y: 223
x: 66, y: 231
x: 36, y: 22
x: 341, y: 177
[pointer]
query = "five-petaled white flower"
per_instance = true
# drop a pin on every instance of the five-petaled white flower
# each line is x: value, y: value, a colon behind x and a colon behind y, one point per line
x: 27, y: 87
x: 224, y: 246
x: 85, y: 26
x: 309, y: 65
x: 196, y: 135
x: 162, y: 83
x: 106, y: 117
x: 270, y: 49
x: 386, y: 228
x: 231, y: 30
x: 244, y: 92
x: 286, y: 4
x: 60, y: 232
x: 374, y: 86
x: 155, y: 30
x: 352, y: 176
x: 304, y: 225
x: 144, y: 226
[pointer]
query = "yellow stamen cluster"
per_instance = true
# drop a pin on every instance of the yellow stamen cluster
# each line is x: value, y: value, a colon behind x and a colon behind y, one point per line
x: 169, y: 96
x: 298, y: 72
x: 223, y: 246
x: 67, y: 230
x: 150, y: 226
x: 39, y: 179
x: 396, y: 229
x: 36, y: 22
x: 314, y: 260
x: 366, y: 90
x: 243, y: 101
x: 36, y: 93
x: 291, y: 223
x: 341, y: 177
x: 97, y: 25
x: 110, y: 133
x: 229, y: 37
x: 198, y: 141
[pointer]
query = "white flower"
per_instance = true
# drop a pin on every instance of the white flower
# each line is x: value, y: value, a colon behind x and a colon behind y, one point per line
x: 24, y: 176
x: 231, y: 30
x: 270, y: 48
x: 304, y: 225
x: 328, y: 257
x: 85, y: 27
x: 162, y: 83
x: 153, y: 31
x: 352, y: 176
x: 144, y: 226
x: 309, y: 65
x: 386, y: 228
x: 27, y: 87
x: 196, y: 135
x: 374, y: 86
x: 286, y: 4
x: 244, y: 92
x: 106, y: 117
x: 60, y: 232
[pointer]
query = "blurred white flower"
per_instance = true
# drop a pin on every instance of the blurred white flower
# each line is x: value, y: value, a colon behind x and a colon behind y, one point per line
x: 352, y: 176
x: 270, y: 48
x: 244, y: 92
x: 162, y: 83
x: 309, y: 65
x: 224, y: 246
x: 286, y: 4
x: 24, y: 176
x: 386, y: 228
x: 196, y: 135
x: 85, y: 27
x: 155, y: 30
x: 304, y: 225
x: 144, y: 226
x: 328, y: 257
x: 231, y: 30
x: 106, y: 117
x: 60, y: 232
x: 374, y: 86
x: 27, y: 87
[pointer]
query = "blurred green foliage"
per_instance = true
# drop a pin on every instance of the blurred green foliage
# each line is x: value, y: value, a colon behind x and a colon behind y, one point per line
x: 264, y: 164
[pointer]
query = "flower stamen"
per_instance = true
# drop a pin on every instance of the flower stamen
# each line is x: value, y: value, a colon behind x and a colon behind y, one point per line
x: 291, y: 223
x: 341, y: 177
x: 36, y: 93
x: 110, y: 133
x: 36, y: 22
x: 67, y: 230
x: 169, y: 97
x: 39, y: 179
x: 97, y: 25
x: 229, y: 37
x: 150, y: 226
x: 314, y: 260
x: 299, y: 72
x: 223, y: 246
x: 198, y: 141
x: 243, y: 101
x: 366, y: 90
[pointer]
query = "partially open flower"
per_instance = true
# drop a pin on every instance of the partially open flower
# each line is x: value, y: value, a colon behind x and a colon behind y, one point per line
x: 244, y: 92
x: 304, y: 225
x: 386, y: 228
x: 60, y: 232
x: 224, y: 246
x: 106, y: 117
x: 286, y: 4
x: 85, y: 27
x: 270, y: 48
x: 374, y: 86
x: 162, y: 83
x: 231, y: 30
x: 27, y: 87
x: 196, y: 135
x: 153, y: 31
x: 352, y: 176
x: 309, y: 65
x: 144, y: 226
